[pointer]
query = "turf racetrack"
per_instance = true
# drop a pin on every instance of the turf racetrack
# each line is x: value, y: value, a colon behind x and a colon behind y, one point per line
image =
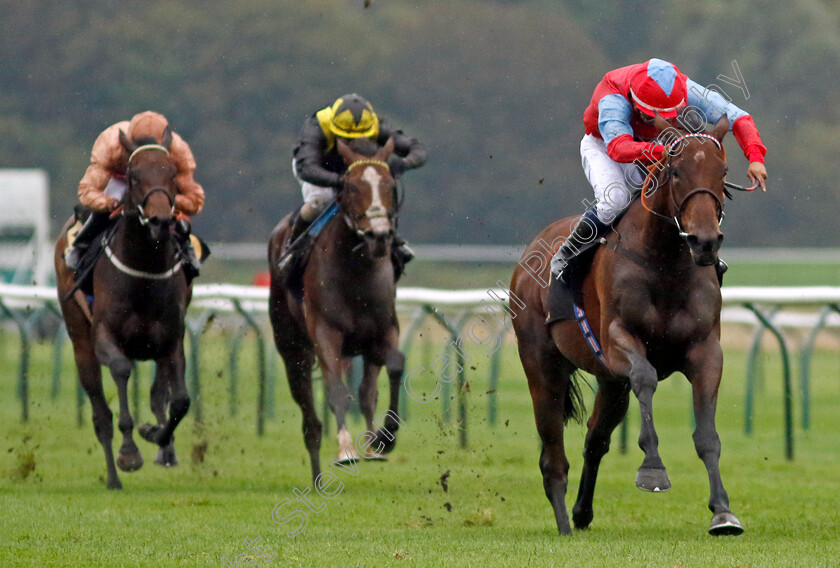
x: 433, y: 504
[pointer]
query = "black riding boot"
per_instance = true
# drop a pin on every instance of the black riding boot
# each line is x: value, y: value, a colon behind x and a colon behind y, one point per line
x: 192, y: 265
x: 720, y: 268
x: 95, y: 224
x: 299, y: 242
x: 587, y: 231
x: 401, y: 254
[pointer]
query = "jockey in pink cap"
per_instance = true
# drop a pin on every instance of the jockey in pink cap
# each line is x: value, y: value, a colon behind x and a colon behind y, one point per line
x: 620, y: 141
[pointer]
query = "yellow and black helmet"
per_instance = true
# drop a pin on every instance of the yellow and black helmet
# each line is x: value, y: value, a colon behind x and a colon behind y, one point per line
x: 353, y: 117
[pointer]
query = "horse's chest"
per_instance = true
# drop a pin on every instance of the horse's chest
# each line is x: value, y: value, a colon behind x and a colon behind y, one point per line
x: 671, y: 316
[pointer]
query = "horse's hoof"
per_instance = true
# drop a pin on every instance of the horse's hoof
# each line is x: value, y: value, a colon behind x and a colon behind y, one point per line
x: 725, y: 524
x: 655, y: 480
x: 130, y: 462
x: 114, y: 484
x: 166, y: 457
x: 347, y: 456
x: 148, y: 432
x: 385, y: 442
x: 582, y: 520
x: 373, y: 456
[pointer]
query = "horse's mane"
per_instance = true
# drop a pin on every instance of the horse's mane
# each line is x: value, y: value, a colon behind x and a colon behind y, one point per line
x: 364, y: 146
x: 143, y: 140
x: 690, y: 120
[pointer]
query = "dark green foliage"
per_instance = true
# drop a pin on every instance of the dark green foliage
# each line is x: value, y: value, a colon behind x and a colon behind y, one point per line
x: 495, y: 89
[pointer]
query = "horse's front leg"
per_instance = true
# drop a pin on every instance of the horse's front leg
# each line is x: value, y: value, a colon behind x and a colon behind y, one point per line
x: 170, y: 371
x: 328, y: 342
x: 108, y: 353
x: 704, y: 366
x: 627, y: 356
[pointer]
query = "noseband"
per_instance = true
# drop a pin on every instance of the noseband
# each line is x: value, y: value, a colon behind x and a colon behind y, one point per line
x: 680, y: 208
x: 141, y: 213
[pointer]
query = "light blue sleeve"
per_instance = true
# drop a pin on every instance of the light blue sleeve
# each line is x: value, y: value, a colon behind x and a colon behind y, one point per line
x: 712, y: 104
x: 614, y: 113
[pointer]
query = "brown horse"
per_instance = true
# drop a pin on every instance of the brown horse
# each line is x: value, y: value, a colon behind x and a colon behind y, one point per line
x: 348, y: 307
x: 653, y: 301
x: 141, y: 296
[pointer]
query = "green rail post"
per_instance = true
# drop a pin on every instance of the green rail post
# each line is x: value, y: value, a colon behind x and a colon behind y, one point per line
x: 788, y: 391
x: 755, y: 371
x: 261, y: 377
x: 405, y: 348
x: 806, y: 353
x: 195, y: 328
x: 23, y: 361
x: 233, y: 367
x: 58, y: 348
x: 493, y: 386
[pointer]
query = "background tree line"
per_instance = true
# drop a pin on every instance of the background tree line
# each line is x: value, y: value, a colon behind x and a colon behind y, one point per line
x: 495, y: 89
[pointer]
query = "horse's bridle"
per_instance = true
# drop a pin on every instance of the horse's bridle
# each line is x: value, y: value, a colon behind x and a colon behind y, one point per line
x: 141, y: 213
x: 379, y: 213
x: 680, y: 208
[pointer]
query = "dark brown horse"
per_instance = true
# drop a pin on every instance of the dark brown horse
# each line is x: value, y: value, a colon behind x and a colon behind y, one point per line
x: 347, y: 309
x: 140, y: 300
x: 653, y: 301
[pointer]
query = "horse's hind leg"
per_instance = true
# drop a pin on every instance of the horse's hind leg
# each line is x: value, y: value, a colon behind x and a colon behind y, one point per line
x: 299, y: 372
x: 158, y: 401
x: 129, y: 457
x: 548, y: 375
x: 90, y: 376
x: 609, y: 409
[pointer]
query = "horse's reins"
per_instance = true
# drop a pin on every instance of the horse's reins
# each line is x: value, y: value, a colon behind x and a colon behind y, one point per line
x: 144, y: 220
x: 675, y: 220
x: 659, y: 166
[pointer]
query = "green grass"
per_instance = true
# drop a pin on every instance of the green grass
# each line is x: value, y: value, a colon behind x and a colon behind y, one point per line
x: 56, y: 510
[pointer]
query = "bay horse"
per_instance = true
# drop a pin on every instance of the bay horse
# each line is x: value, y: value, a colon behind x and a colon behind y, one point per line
x: 348, y: 307
x: 140, y: 301
x: 653, y: 302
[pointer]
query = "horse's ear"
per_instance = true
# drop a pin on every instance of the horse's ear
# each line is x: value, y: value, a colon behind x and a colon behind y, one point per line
x: 166, y: 139
x: 345, y: 152
x: 386, y: 150
x: 660, y: 123
x: 126, y: 143
x: 721, y: 128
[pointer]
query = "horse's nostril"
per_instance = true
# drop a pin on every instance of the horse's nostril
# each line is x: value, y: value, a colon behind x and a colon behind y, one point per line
x: 692, y: 240
x: 720, y: 238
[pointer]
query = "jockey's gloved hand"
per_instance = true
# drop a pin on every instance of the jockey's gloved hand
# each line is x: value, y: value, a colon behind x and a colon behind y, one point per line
x: 397, y: 165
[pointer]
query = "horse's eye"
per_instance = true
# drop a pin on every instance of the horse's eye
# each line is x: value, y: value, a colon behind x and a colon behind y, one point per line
x: 673, y: 173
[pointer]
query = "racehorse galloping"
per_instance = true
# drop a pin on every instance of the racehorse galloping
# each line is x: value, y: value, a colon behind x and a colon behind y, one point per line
x: 140, y: 300
x: 348, y: 305
x: 653, y: 301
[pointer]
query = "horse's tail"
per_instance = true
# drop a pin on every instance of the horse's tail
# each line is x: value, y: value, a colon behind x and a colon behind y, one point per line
x: 574, y: 407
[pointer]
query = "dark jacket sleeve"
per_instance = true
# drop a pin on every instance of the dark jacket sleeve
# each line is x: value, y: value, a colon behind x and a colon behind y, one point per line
x: 409, y: 149
x: 309, y: 156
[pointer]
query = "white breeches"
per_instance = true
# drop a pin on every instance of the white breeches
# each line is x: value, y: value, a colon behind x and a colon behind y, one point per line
x: 612, y: 181
x: 315, y: 196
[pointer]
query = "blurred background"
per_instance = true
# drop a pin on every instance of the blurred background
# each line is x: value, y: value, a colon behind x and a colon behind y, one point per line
x: 495, y: 89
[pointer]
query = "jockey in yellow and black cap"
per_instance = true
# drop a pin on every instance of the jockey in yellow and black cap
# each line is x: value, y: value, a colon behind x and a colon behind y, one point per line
x: 319, y: 168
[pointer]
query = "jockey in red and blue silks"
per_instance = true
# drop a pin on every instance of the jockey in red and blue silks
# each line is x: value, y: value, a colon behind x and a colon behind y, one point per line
x: 620, y: 137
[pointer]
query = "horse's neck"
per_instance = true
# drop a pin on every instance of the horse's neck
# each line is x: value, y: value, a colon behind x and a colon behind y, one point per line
x: 653, y: 237
x: 132, y: 244
x: 343, y: 254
